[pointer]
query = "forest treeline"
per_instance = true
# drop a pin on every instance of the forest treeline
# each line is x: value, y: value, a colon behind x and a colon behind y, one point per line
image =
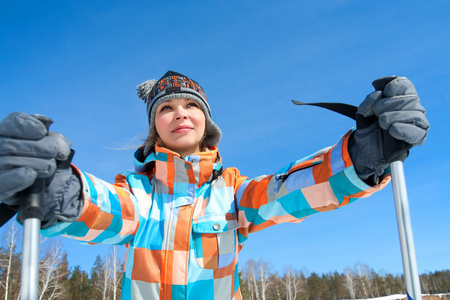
x: 360, y: 282
x: 103, y: 281
x: 56, y: 279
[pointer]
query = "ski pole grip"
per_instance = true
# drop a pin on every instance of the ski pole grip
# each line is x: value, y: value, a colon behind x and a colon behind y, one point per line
x: 32, y: 198
x: 65, y: 164
x: 393, y: 149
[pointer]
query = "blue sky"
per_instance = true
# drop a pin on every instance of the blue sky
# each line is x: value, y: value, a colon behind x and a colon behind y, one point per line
x: 79, y: 62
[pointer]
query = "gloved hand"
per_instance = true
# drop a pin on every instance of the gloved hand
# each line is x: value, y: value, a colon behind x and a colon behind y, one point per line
x: 388, y: 123
x: 27, y: 152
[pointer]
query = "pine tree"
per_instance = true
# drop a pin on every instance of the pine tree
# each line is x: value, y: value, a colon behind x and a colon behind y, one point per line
x: 96, y: 278
x: 63, y: 270
x: 336, y: 285
x: 79, y: 284
x: 316, y: 287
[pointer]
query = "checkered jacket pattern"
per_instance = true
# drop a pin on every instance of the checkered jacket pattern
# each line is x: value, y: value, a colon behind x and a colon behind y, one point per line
x: 184, y: 228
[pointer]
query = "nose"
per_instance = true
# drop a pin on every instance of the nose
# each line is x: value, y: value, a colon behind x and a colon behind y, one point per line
x: 180, y: 113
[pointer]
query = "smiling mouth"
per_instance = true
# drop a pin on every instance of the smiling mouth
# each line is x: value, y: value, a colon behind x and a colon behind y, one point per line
x: 182, y: 129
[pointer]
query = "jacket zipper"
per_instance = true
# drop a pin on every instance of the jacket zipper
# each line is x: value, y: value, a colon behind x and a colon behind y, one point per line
x: 283, y: 177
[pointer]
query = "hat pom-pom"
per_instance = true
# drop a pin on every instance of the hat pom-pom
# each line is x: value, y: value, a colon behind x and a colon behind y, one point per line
x: 144, y: 89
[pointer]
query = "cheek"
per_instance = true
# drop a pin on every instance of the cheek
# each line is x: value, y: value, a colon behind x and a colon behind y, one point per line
x: 161, y: 123
x: 201, y: 120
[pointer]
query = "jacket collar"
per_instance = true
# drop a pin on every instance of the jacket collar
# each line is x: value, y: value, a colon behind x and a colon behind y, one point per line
x: 168, y: 167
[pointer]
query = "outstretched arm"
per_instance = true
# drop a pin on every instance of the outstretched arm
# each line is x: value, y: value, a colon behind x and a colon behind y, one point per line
x: 321, y: 182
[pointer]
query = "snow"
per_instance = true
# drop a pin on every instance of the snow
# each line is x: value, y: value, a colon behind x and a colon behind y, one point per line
x: 403, y: 296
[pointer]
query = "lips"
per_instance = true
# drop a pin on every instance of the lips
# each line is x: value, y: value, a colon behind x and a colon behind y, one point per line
x: 182, y: 129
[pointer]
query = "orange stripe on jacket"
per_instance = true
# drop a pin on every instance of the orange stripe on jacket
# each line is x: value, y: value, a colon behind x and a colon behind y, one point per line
x: 167, y: 273
x: 305, y: 164
x: 255, y: 195
x: 121, y: 181
x: 170, y: 173
x: 89, y: 215
x: 345, y: 155
x: 149, y: 266
x: 204, y: 176
x: 210, y: 251
x: 125, y: 204
x: 191, y: 175
x: 103, y: 221
x: 183, y: 228
x: 322, y: 172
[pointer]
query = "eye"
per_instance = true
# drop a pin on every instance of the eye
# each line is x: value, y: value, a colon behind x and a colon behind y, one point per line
x: 193, y: 104
x: 164, y: 107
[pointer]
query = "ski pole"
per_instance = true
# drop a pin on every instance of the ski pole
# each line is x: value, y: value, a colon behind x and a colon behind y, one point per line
x: 396, y: 152
x: 395, y: 159
x: 31, y: 214
x: 411, y: 274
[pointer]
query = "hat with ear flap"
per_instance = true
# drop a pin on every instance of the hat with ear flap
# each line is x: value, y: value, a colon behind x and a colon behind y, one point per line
x: 174, y: 85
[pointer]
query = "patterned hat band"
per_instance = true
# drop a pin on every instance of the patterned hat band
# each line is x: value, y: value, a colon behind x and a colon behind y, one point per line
x: 170, y: 83
x: 175, y: 85
x: 177, y: 92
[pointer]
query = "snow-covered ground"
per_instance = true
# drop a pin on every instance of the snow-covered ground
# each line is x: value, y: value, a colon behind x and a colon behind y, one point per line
x: 403, y: 296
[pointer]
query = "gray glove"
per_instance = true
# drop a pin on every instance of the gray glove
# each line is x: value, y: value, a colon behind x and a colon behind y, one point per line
x: 28, y: 152
x: 388, y: 123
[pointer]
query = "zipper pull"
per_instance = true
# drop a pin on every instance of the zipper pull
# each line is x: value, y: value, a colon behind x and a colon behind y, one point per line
x: 278, y: 178
x: 281, y: 177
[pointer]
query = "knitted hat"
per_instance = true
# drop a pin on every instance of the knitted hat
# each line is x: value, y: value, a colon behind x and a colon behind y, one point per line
x: 174, y: 85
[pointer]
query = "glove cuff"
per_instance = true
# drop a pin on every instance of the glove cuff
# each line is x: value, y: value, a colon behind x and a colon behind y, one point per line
x: 367, y: 156
x: 67, y: 203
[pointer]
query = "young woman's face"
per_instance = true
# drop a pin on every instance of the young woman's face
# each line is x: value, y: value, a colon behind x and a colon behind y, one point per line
x: 180, y: 124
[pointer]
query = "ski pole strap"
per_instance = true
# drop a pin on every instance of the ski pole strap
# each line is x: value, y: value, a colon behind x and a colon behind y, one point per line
x: 342, y: 108
x: 393, y: 149
x: 6, y: 213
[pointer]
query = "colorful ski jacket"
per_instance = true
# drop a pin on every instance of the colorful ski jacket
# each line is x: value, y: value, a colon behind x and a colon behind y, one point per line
x: 184, y: 225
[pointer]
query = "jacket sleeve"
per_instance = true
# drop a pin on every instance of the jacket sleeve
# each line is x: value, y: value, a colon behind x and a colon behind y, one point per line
x: 321, y: 182
x: 110, y: 213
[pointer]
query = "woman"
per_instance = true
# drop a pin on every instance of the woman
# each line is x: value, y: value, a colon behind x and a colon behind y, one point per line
x: 182, y: 217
